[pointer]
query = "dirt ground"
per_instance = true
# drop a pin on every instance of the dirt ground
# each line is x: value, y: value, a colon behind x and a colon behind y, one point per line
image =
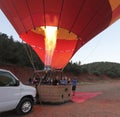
x: 107, y: 104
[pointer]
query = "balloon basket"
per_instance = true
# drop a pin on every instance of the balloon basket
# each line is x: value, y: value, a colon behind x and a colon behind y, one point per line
x: 54, y: 94
x: 49, y: 91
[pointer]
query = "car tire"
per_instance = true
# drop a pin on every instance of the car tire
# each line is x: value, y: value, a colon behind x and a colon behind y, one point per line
x: 25, y: 106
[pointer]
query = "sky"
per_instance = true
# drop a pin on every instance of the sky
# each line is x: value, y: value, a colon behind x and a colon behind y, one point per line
x: 105, y: 47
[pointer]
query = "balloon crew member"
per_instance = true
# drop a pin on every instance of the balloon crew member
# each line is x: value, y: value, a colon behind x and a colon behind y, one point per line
x: 74, y: 83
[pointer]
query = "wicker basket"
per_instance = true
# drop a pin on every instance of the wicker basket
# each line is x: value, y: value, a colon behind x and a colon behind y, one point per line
x: 54, y: 93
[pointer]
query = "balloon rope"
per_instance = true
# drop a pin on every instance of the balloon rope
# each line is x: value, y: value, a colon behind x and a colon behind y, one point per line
x: 92, y: 50
x: 29, y: 53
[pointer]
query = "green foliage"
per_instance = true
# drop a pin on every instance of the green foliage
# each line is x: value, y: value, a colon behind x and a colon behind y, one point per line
x: 14, y: 53
x: 111, y: 74
x: 97, y: 73
x: 73, y: 68
x: 107, y: 68
x: 98, y: 68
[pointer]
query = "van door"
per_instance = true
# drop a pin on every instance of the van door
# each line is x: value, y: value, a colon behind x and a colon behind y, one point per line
x: 9, y: 91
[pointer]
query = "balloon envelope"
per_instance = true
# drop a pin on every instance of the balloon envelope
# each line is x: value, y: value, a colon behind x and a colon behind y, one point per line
x: 77, y: 21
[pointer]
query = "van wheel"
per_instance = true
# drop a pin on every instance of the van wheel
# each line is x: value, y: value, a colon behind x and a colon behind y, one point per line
x: 25, y: 106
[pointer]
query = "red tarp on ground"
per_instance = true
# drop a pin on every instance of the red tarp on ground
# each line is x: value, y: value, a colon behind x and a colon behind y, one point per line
x: 83, y: 96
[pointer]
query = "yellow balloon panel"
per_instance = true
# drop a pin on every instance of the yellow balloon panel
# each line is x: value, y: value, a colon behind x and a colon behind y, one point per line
x: 61, y: 33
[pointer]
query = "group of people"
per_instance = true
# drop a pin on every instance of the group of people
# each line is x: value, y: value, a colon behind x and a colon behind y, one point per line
x: 56, y: 81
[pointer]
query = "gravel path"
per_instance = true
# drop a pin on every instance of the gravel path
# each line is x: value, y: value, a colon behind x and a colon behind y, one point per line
x: 106, y: 104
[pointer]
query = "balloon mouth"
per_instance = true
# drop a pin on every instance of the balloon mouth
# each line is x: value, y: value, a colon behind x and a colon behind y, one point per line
x: 47, y: 68
x: 50, y: 68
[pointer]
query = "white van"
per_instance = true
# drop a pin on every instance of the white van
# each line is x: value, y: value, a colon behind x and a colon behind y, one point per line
x: 14, y: 94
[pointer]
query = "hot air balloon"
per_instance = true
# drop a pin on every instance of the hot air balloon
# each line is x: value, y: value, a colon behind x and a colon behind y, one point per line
x: 72, y: 22
x: 76, y: 22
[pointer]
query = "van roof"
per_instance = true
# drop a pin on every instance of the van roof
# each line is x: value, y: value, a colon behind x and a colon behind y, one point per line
x: 4, y: 70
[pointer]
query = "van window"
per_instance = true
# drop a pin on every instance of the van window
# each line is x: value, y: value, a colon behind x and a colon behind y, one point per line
x: 7, y: 79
